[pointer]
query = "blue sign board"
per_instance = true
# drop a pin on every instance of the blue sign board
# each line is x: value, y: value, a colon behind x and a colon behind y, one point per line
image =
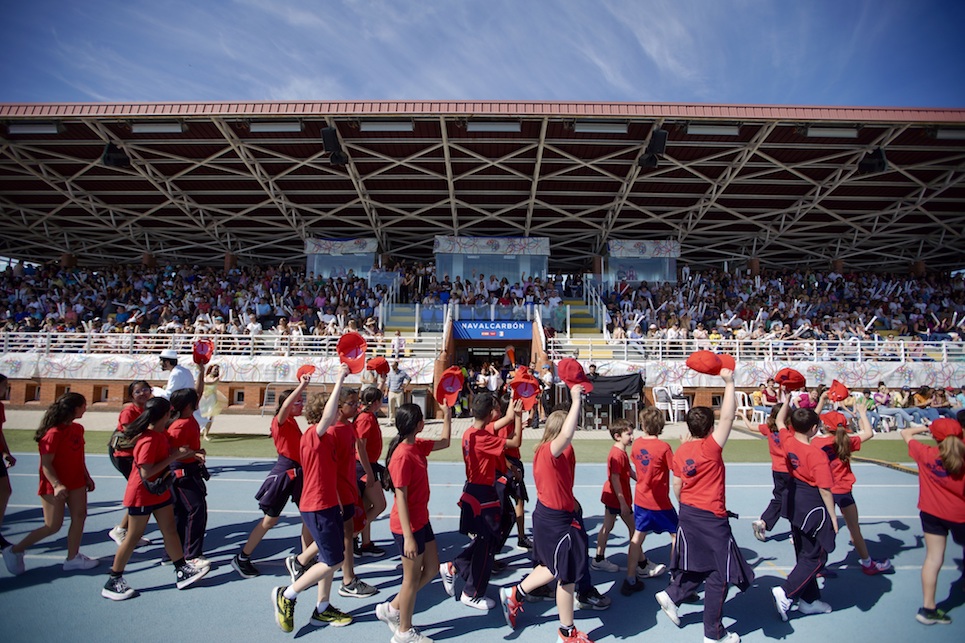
x: 496, y: 330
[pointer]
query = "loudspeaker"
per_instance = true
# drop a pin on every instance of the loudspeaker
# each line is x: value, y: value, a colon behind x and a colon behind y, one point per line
x: 873, y: 162
x: 330, y: 140
x: 648, y: 161
x: 115, y: 157
x: 658, y: 142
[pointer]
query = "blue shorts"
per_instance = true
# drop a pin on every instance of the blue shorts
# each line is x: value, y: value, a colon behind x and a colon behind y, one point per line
x: 423, y: 536
x: 843, y: 499
x: 150, y: 509
x: 348, y: 512
x: 327, y: 530
x: 612, y: 510
x: 658, y: 521
x: 559, y: 543
x: 931, y: 524
x: 284, y: 483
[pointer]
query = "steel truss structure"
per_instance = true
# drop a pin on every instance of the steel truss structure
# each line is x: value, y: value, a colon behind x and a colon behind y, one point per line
x: 760, y: 188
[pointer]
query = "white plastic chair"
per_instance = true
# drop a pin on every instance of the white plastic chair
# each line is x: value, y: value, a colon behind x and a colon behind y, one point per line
x: 663, y: 401
x: 744, y: 406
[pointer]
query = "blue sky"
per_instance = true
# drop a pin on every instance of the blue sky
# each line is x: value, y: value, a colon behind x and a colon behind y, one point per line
x: 814, y: 52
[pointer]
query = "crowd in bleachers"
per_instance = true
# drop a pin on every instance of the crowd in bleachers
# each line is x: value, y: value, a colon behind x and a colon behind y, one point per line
x: 705, y: 306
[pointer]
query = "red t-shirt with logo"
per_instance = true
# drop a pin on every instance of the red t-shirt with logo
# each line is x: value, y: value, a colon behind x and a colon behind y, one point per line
x: 367, y: 428
x: 481, y: 451
x: 151, y: 447
x: 778, y: 457
x: 653, y: 460
x: 700, y: 466
x: 806, y: 462
x: 841, y: 474
x: 348, y: 490
x: 507, y: 433
x: 66, y: 444
x: 287, y: 437
x: 128, y: 414
x: 409, y: 469
x: 617, y: 462
x: 319, y: 471
x: 939, y: 493
x: 554, y: 477
x: 184, y: 432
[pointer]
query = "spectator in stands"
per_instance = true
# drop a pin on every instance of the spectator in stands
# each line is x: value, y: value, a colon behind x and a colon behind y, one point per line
x: 396, y: 381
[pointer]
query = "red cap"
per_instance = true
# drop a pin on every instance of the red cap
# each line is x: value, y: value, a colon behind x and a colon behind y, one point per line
x: 945, y: 427
x: 351, y: 350
x: 838, y: 391
x: 306, y: 369
x: 571, y: 372
x: 706, y: 362
x: 833, y: 419
x: 378, y: 364
x: 203, y: 350
x: 449, y: 385
x: 727, y: 361
x: 525, y: 387
x: 790, y: 379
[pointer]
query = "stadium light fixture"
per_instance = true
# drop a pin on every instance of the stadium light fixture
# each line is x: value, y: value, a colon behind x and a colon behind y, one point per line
x: 155, y: 127
x: 698, y: 129
x: 493, y: 126
x: 33, y: 128
x: 274, y: 127
x: 599, y: 127
x: 950, y: 134
x: 386, y: 126
x: 832, y: 132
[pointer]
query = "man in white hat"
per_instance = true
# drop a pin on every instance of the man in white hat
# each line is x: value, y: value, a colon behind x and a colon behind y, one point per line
x: 179, y: 378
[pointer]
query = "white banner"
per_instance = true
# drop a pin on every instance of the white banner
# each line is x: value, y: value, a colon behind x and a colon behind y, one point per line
x: 492, y: 245
x: 341, y: 246
x: 643, y: 249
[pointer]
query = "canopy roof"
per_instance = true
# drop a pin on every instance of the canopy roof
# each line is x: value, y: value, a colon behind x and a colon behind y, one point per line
x: 771, y: 188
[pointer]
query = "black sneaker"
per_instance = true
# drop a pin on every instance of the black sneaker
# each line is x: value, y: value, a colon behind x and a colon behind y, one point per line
x: 371, y: 550
x: 188, y: 575
x: 358, y: 588
x: 244, y: 567
x: 295, y: 568
x: 499, y: 567
x: 117, y: 589
x: 357, y: 547
x: 544, y: 593
x: 592, y: 600
x: 524, y: 542
x: 930, y: 617
x: 629, y: 588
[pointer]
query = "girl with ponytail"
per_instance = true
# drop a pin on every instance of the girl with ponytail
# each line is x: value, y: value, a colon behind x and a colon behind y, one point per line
x: 121, y: 451
x: 941, y: 501
x: 407, y: 476
x: 64, y: 481
x: 839, y: 445
x: 367, y: 468
x: 147, y: 495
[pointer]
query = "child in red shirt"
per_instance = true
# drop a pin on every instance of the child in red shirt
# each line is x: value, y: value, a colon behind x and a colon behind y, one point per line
x: 616, y: 492
x: 779, y: 474
x: 189, y: 490
x: 122, y: 454
x: 941, y: 502
x: 64, y: 481
x: 408, y: 477
x: 652, y: 509
x: 367, y: 468
x: 5, y: 489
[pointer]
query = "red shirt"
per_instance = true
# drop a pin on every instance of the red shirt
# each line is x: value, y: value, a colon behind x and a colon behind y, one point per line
x: 348, y: 489
x: 507, y: 433
x: 184, y: 432
x: 841, y: 475
x: 128, y: 414
x: 617, y: 462
x: 66, y: 444
x: 150, y: 447
x: 367, y: 428
x: 481, y: 450
x: 806, y: 462
x: 700, y: 466
x: 653, y: 459
x: 554, y: 477
x: 319, y: 470
x: 939, y: 493
x: 287, y: 437
x: 409, y: 469
x: 778, y: 457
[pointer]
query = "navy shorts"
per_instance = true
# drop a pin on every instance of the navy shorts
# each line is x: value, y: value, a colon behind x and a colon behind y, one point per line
x: 559, y: 543
x: 843, y: 500
x: 3, y: 470
x: 327, y: 530
x: 658, y: 521
x: 423, y: 536
x: 615, y: 511
x: 377, y: 469
x: 284, y: 482
x: 147, y: 511
x: 936, y: 526
x: 348, y: 512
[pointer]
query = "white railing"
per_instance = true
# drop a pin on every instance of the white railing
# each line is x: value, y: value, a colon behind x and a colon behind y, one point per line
x: 880, y: 350
x: 141, y: 344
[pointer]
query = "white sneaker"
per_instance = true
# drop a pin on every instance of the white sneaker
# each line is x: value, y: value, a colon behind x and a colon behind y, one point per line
x: 760, y: 530
x: 817, y: 607
x: 668, y: 606
x: 80, y: 561
x: 483, y: 603
x: 13, y: 561
x: 200, y: 562
x: 651, y: 570
x: 729, y: 637
x: 411, y: 635
x: 117, y: 534
x: 384, y: 614
x: 603, y: 566
x: 781, y: 602
x: 448, y: 578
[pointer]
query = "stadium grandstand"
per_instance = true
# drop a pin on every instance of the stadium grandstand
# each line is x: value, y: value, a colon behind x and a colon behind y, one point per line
x: 828, y: 237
